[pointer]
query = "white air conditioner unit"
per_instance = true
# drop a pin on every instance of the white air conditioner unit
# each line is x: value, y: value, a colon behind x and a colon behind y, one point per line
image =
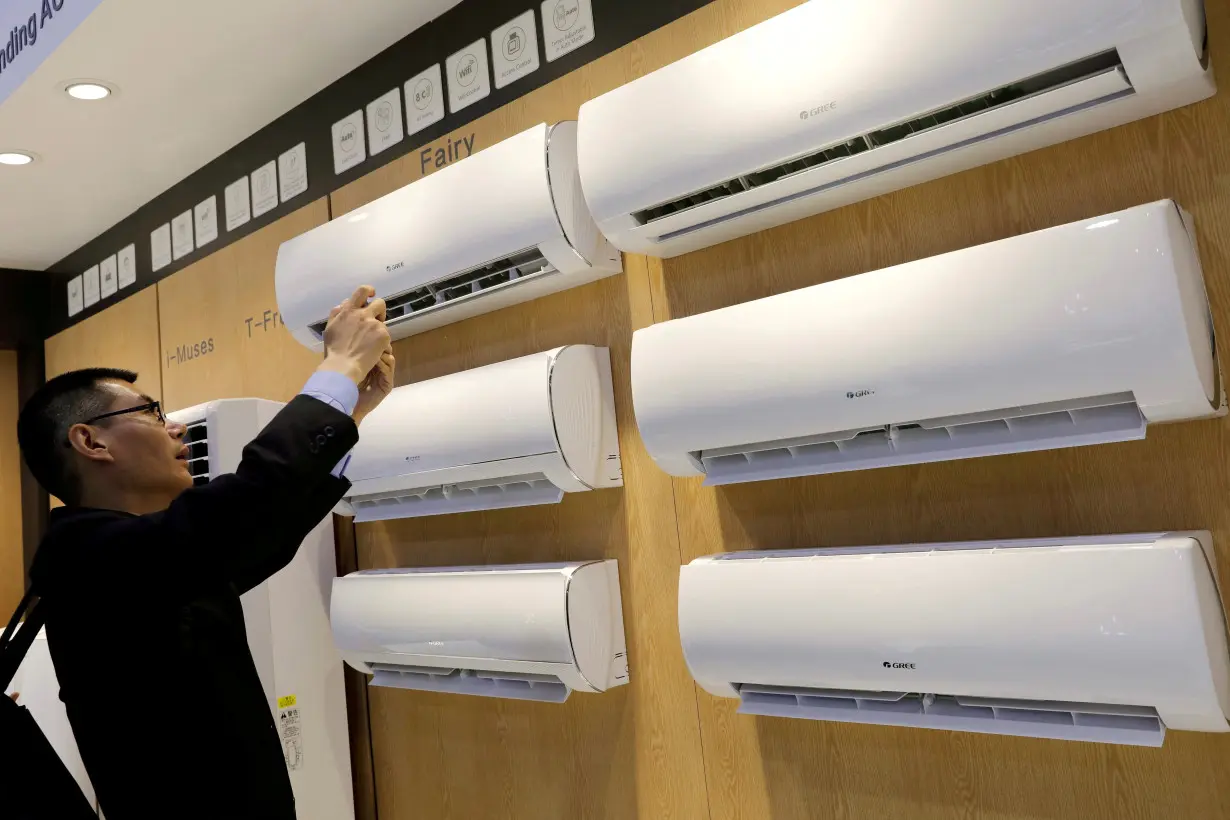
x: 527, y: 632
x: 1112, y: 639
x: 287, y: 621
x: 832, y: 103
x: 1078, y: 334
x: 511, y: 434
x: 500, y: 227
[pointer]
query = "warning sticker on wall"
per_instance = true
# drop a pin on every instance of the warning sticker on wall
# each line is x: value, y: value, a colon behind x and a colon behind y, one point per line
x: 290, y: 729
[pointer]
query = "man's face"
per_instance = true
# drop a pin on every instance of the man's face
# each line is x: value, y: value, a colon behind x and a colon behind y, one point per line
x: 149, y: 456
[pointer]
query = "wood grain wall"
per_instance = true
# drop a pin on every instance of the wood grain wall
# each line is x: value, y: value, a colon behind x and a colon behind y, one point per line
x: 225, y: 307
x: 125, y: 335
x: 661, y: 748
x: 12, y: 548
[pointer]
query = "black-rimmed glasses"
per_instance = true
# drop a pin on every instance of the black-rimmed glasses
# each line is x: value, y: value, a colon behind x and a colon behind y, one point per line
x: 154, y: 407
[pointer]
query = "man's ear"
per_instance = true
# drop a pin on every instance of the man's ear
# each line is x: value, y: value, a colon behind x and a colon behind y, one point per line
x: 85, y: 440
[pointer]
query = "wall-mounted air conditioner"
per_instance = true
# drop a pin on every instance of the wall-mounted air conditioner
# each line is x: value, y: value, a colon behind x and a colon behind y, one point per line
x: 505, y: 225
x: 287, y: 621
x: 511, y: 434
x: 1079, y: 334
x: 1113, y: 639
x: 528, y: 632
x: 832, y: 103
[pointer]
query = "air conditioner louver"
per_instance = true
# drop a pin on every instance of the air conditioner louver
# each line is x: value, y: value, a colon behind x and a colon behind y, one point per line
x: 1064, y: 424
x: 513, y: 491
x: 1099, y: 723
x: 1088, y: 68
x: 510, y: 685
x: 197, y: 440
x: 472, y: 284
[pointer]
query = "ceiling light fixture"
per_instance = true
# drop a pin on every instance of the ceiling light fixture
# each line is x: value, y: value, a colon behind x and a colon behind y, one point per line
x: 15, y: 158
x: 87, y: 90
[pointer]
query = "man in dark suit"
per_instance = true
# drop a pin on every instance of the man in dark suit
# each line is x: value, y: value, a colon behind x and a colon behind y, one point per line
x: 141, y: 573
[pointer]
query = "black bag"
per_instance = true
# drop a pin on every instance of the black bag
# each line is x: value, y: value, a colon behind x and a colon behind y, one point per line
x: 34, y: 782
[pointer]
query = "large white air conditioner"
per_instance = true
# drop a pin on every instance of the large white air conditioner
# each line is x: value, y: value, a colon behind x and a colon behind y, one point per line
x: 287, y: 620
x: 510, y: 434
x: 1079, y: 334
x: 832, y: 103
x: 1113, y: 639
x: 503, y: 226
x: 527, y: 632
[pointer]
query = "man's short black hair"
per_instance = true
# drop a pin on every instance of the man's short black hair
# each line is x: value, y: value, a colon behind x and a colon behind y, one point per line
x: 42, y: 428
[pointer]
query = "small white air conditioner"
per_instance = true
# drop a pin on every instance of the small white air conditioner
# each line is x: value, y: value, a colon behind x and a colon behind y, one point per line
x: 526, y: 632
x: 832, y: 103
x: 503, y: 226
x: 511, y: 434
x: 1113, y: 639
x: 287, y: 620
x: 1079, y: 334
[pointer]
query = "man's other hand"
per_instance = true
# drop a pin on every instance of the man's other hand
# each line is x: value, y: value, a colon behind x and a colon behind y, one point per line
x: 356, y: 336
x: 376, y: 387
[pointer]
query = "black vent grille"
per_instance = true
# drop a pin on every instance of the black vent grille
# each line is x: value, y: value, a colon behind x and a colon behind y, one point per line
x: 995, y: 98
x: 476, y: 282
x: 197, y: 439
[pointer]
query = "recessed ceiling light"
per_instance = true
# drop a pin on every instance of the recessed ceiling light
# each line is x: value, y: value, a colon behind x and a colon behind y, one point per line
x: 87, y: 90
x: 15, y: 158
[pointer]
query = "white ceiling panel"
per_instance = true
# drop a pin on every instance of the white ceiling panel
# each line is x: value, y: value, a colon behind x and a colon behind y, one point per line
x: 193, y: 78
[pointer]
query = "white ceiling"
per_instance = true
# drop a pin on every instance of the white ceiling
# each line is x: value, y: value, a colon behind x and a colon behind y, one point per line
x: 195, y: 77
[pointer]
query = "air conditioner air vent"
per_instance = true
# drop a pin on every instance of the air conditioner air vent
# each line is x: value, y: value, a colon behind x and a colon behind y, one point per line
x: 1093, y: 420
x: 514, y: 685
x: 197, y: 439
x: 1096, y: 722
x: 485, y: 279
x: 990, y: 100
x: 512, y: 491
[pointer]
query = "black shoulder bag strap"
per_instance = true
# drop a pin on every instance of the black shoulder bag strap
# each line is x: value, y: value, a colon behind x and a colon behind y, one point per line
x: 34, y: 781
x: 15, y: 643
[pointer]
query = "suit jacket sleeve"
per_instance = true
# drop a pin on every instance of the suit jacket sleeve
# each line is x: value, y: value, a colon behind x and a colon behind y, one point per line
x: 252, y: 521
x: 241, y: 527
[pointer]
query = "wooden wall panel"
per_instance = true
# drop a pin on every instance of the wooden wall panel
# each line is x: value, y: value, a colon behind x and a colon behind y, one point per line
x: 12, y: 558
x: 1178, y: 478
x: 125, y: 335
x: 222, y: 335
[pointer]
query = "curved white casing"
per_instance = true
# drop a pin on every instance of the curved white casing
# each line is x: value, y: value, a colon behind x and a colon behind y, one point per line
x: 1076, y: 334
x: 1111, y: 638
x: 519, y: 432
x: 823, y: 74
x: 287, y: 622
x: 520, y: 195
x: 529, y: 632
